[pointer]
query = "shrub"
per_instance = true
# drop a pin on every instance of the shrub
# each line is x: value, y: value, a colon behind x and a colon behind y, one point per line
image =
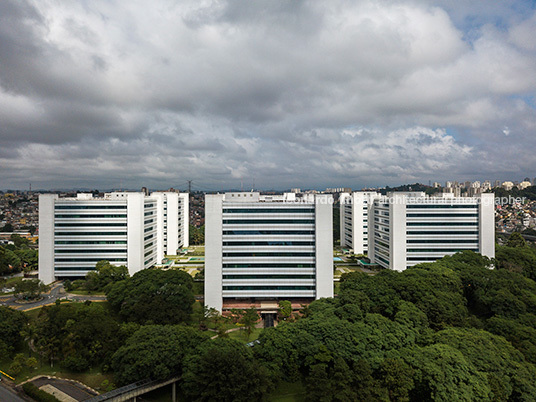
x: 75, y: 363
x: 40, y: 396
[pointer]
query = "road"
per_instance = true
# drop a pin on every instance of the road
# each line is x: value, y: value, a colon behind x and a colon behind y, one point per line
x: 56, y: 292
x: 7, y: 395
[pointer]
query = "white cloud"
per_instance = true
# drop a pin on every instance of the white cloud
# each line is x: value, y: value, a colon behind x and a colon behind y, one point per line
x: 312, y: 91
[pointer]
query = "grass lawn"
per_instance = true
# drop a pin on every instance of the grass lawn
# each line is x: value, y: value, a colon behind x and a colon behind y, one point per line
x: 86, y: 292
x: 288, y: 392
x: 241, y: 335
x: 12, y: 281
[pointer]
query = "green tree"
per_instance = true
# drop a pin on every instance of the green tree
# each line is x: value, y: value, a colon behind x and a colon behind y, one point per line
x: 285, y: 310
x: 224, y: 370
x: 397, y: 378
x: 30, y: 289
x: 19, y: 241
x: 443, y: 374
x: 104, y: 275
x: 249, y: 319
x: 28, y: 258
x: 516, y: 240
x: 153, y: 296
x: 8, y: 227
x: 9, y: 261
x: 196, y: 235
x: 156, y: 352
x: 494, y: 356
x: 84, y: 335
x: 12, y: 323
x: 517, y: 259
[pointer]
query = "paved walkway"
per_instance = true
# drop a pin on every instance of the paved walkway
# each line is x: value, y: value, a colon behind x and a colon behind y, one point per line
x: 64, y: 390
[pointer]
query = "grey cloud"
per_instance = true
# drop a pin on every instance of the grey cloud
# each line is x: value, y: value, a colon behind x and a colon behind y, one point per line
x: 350, y: 93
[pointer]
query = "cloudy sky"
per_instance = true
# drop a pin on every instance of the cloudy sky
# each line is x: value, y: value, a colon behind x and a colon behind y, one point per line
x: 276, y: 94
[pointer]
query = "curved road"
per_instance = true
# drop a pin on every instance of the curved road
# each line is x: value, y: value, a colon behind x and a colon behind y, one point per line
x: 56, y: 292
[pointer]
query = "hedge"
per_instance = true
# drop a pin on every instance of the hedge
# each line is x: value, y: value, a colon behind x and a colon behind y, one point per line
x: 37, y: 394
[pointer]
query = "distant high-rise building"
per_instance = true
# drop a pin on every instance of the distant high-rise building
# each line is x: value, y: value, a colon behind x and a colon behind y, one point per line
x: 125, y: 228
x: 410, y: 228
x: 524, y: 184
x: 260, y: 249
x: 507, y: 185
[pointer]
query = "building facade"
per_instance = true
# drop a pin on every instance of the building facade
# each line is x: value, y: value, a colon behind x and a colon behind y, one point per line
x: 260, y: 249
x: 406, y: 229
x: 125, y: 228
x: 354, y: 211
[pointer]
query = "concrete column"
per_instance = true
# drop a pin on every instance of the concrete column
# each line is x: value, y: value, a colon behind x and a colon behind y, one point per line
x: 324, y: 245
x: 397, y: 233
x: 174, y: 392
x: 486, y: 225
x: 213, y: 251
x: 46, y: 237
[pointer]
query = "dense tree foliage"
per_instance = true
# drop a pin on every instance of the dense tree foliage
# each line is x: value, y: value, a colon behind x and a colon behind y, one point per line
x: 528, y: 193
x: 461, y: 328
x: 10, y: 262
x: 17, y: 256
x: 224, y: 370
x: 30, y: 289
x: 104, y: 275
x: 12, y: 323
x: 79, y: 336
x: 153, y: 297
x: 517, y: 256
x: 196, y: 235
x: 156, y: 352
x: 450, y: 330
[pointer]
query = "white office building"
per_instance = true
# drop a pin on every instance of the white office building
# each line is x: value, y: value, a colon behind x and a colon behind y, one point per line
x: 125, y: 228
x: 410, y: 228
x: 261, y: 248
x: 354, y: 210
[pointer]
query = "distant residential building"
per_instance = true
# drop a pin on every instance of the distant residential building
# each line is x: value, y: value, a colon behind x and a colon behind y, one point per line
x: 455, y: 191
x: 260, y: 249
x: 436, y: 184
x: 497, y: 183
x: 507, y: 185
x: 524, y: 184
x: 486, y: 185
x: 125, y: 228
x: 338, y: 190
x: 410, y: 228
x: 295, y: 190
x: 354, y: 208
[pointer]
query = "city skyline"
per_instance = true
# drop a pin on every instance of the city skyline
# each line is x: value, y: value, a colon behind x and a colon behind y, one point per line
x: 268, y: 94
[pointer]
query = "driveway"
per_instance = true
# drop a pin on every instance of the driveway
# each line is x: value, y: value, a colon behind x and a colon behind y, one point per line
x: 8, y: 395
x: 56, y: 292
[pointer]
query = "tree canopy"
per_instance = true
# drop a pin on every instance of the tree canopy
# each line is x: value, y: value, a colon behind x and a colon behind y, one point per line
x: 153, y: 297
